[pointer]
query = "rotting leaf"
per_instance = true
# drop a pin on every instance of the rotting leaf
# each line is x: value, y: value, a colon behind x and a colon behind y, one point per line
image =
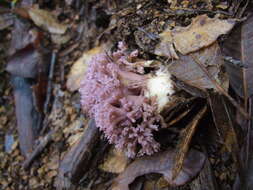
x: 6, y: 20
x: 22, y: 36
x: 221, y: 119
x: 202, y: 32
x: 183, y: 146
x: 24, y: 63
x: 43, y: 19
x: 115, y: 162
x: 162, y: 163
x: 187, y: 70
x: 205, y: 179
x: 46, y: 21
x: 79, y: 68
x: 165, y: 47
x: 239, y: 46
x: 27, y: 117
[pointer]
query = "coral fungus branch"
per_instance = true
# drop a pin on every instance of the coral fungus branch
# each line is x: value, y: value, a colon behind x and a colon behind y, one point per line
x: 113, y: 94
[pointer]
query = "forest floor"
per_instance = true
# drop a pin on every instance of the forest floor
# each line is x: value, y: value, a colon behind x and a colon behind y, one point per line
x: 47, y: 140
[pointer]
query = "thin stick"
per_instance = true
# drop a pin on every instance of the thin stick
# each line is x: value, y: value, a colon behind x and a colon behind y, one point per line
x: 38, y: 150
x: 50, y: 80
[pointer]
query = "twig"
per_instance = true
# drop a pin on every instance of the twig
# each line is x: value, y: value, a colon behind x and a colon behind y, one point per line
x: 49, y: 91
x: 69, y: 49
x: 220, y: 89
x: 38, y: 150
x: 50, y: 80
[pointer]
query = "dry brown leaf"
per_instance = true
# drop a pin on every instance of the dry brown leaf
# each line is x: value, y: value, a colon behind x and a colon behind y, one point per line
x: 239, y: 47
x: 51, y: 174
x: 202, y: 32
x: 187, y: 70
x: 79, y: 68
x: 46, y: 21
x: 165, y: 47
x: 115, y: 162
x: 74, y: 138
x: 183, y: 146
x: 224, y: 125
x: 60, y: 39
x: 150, y: 185
x: 162, y: 163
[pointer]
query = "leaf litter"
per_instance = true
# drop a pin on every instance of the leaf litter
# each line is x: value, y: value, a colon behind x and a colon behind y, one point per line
x: 80, y: 158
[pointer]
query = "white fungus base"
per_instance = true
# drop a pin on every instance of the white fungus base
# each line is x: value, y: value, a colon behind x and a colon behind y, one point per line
x: 160, y: 86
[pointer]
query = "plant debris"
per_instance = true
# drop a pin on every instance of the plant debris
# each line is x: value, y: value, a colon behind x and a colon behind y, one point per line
x: 126, y: 95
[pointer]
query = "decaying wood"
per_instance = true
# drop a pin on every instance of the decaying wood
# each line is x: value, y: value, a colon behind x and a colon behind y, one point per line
x: 38, y: 150
x: 78, y: 159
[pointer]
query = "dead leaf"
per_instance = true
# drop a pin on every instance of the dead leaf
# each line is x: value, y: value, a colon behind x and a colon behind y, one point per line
x: 27, y: 116
x: 202, y: 32
x: 51, y: 174
x: 165, y: 47
x: 8, y: 143
x: 151, y: 185
x: 188, y: 71
x: 46, y: 21
x: 240, y: 47
x: 79, y: 68
x: 162, y: 163
x: 22, y: 36
x: 6, y: 20
x: 60, y: 39
x: 25, y: 62
x: 115, y: 162
x: 183, y: 146
x: 73, y: 139
x: 221, y: 119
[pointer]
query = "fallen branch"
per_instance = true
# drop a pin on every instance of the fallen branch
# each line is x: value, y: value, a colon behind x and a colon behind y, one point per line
x: 78, y: 159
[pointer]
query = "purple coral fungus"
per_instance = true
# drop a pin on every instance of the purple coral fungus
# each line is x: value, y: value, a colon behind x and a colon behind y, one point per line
x: 113, y: 94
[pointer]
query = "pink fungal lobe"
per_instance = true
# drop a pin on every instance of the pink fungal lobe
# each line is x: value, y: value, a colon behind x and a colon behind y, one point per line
x: 113, y: 95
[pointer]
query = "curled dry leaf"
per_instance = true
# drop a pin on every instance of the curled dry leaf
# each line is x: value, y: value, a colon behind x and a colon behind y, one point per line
x: 115, y: 162
x: 46, y: 21
x: 188, y: 71
x: 202, y: 32
x: 79, y: 68
x: 161, y: 163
